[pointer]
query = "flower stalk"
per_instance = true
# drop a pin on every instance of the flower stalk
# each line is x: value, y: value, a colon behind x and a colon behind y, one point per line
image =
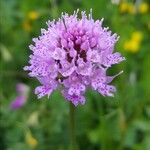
x: 72, y: 126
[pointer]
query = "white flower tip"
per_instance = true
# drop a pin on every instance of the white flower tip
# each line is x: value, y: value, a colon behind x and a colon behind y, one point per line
x: 101, y: 21
x: 121, y: 72
x: 118, y: 73
x: 90, y: 15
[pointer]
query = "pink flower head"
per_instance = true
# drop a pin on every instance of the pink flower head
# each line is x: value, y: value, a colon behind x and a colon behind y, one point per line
x: 74, y: 53
x: 20, y: 100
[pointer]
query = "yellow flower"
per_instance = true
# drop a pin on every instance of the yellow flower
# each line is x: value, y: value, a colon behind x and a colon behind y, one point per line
x: 137, y: 36
x: 143, y: 8
x: 132, y: 46
x: 33, y: 15
x: 127, y: 8
x: 131, y: 8
x: 123, y: 7
x: 30, y: 140
x: 27, y: 26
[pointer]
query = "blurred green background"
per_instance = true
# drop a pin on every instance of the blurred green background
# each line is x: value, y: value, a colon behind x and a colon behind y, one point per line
x: 118, y: 123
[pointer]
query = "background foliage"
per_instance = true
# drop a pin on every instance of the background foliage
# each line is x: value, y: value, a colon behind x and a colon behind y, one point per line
x: 122, y: 122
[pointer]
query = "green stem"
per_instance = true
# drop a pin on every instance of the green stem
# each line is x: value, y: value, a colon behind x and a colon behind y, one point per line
x: 72, y: 127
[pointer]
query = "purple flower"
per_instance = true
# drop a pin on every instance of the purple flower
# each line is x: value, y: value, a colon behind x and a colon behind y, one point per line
x: 74, y: 54
x: 21, y: 99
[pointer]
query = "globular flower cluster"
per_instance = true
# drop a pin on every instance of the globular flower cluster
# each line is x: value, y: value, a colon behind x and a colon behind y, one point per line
x: 74, y: 54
